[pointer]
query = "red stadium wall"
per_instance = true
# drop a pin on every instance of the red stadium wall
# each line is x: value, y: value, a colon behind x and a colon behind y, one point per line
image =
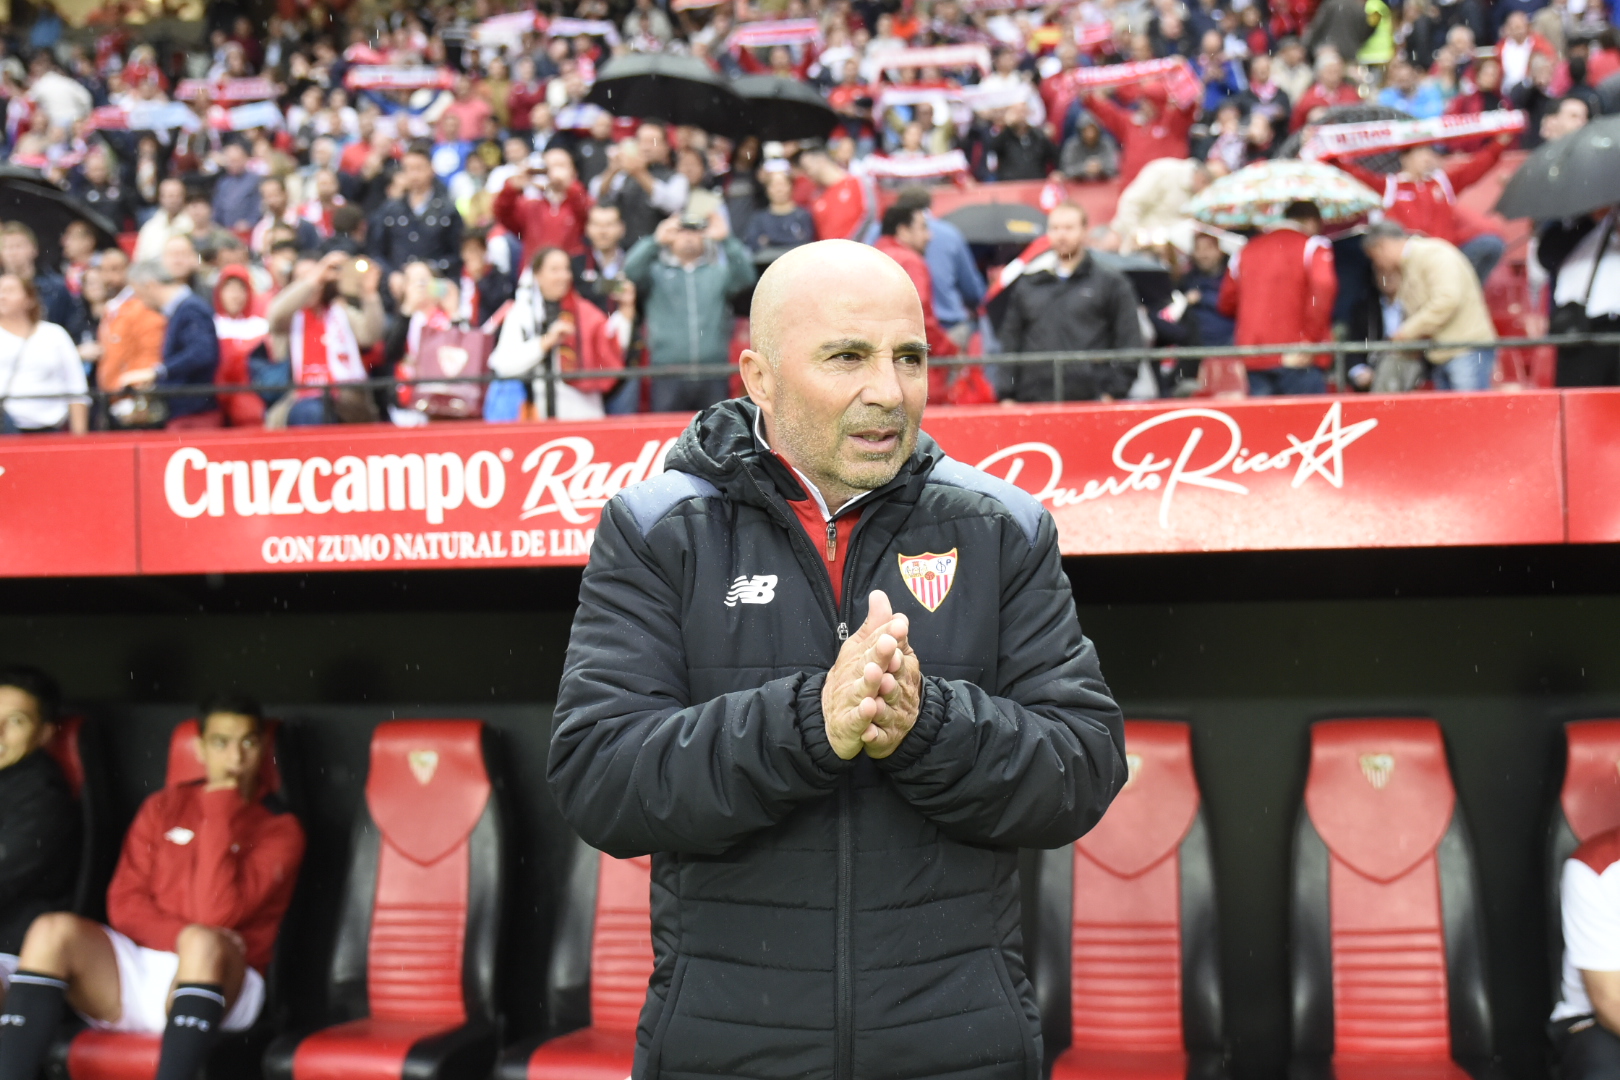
x: 1352, y: 472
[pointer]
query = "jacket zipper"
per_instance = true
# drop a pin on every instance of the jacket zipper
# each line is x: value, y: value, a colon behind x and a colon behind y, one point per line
x: 844, y: 976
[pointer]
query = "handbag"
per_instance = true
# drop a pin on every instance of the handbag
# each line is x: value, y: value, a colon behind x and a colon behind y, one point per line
x: 1571, y: 318
x: 451, y: 353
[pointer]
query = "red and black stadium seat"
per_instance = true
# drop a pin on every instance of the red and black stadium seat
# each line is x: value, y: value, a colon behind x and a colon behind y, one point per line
x: 1130, y: 979
x: 1388, y: 954
x: 412, y: 980
x: 601, y: 960
x: 88, y: 1054
x: 79, y: 752
x: 1588, y: 804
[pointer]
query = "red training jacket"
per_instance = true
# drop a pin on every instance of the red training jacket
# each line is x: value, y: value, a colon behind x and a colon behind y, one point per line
x: 541, y: 223
x: 840, y: 211
x: 1280, y: 288
x: 205, y: 857
x: 1429, y: 204
x: 939, y: 342
x: 1139, y: 144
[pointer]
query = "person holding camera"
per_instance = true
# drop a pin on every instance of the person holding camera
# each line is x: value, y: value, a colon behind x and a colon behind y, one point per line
x: 319, y: 324
x: 687, y: 273
x: 545, y: 205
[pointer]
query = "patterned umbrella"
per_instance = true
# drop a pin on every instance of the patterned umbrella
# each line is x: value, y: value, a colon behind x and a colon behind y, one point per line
x: 1256, y: 196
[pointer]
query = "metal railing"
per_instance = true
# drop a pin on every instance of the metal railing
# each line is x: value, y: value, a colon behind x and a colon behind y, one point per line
x: 1058, y: 361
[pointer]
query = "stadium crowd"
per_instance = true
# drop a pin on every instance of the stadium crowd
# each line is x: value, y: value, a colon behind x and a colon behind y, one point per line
x: 359, y: 190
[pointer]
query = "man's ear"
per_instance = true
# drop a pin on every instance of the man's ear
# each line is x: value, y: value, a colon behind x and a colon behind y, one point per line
x: 759, y: 381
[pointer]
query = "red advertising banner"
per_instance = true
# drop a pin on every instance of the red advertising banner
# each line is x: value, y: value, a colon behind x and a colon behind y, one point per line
x: 1592, y: 460
x: 1331, y: 472
x: 67, y: 507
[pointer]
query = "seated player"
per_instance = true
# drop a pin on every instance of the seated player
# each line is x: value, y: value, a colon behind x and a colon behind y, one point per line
x: 1586, y: 1023
x: 39, y: 824
x: 206, y: 874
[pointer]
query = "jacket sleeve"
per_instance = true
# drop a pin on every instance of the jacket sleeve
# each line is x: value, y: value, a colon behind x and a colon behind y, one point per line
x: 638, y: 265
x: 132, y: 907
x: 1373, y: 180
x: 1473, y: 168
x: 1036, y: 760
x: 1445, y: 295
x: 1127, y: 327
x: 196, y: 354
x: 1324, y: 285
x: 1011, y: 331
x: 1227, y: 303
x: 506, y: 208
x: 236, y: 878
x: 1114, y: 119
x: 636, y: 765
x: 40, y: 835
x: 739, y: 266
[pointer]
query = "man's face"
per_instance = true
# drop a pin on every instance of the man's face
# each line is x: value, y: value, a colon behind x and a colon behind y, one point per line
x: 22, y: 729
x: 850, y: 382
x: 78, y: 242
x: 172, y: 196
x: 1518, y: 27
x: 1331, y: 73
x: 687, y: 246
x: 326, y: 185
x: 180, y: 258
x: 201, y: 213
x: 1386, y: 255
x: 654, y: 147
x: 1404, y: 76
x: 1066, y: 229
x: 231, y: 750
x: 114, y: 270
x: 17, y: 255
x: 417, y: 172
x: 914, y: 235
x: 1260, y: 69
x: 1419, y: 161
x: 604, y: 228
x: 1206, y: 252
x: 273, y: 197
x: 559, y: 168
x: 515, y: 151
x: 1571, y: 116
x: 95, y: 169
x: 235, y: 159
x: 540, y: 117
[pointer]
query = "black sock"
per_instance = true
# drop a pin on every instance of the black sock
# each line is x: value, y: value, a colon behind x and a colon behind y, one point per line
x: 33, y: 1009
x: 194, y: 1018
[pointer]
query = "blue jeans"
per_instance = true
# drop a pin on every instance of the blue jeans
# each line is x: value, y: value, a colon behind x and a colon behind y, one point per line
x: 1470, y: 371
x: 1483, y: 252
x: 1287, y: 380
x: 307, y: 412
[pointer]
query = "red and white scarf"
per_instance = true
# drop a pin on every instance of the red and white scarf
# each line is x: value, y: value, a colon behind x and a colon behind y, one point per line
x: 1180, y: 81
x: 324, y: 349
x: 367, y: 77
x: 1349, y: 140
x: 953, y: 163
x: 939, y: 56
x: 226, y: 91
x: 764, y: 35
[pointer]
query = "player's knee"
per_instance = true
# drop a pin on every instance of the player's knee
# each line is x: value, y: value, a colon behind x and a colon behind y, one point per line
x: 203, y: 947
x: 50, y: 936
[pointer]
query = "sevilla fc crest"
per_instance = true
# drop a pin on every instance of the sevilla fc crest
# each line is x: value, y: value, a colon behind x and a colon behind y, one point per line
x: 929, y: 577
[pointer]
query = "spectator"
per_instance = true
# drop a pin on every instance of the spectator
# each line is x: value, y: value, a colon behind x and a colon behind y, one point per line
x: 1023, y: 152
x: 959, y: 287
x: 1534, y: 97
x: 1280, y: 290
x: 904, y: 239
x: 1264, y: 94
x: 552, y: 215
x: 78, y: 249
x: 39, y: 855
x: 1329, y: 90
x: 192, y: 926
x: 241, y: 333
x: 320, y: 325
x: 1088, y: 154
x: 317, y: 212
x: 1157, y: 128
x: 1290, y: 70
x: 1152, y: 203
x: 169, y: 220
x: 1587, y: 1017
x: 1423, y: 196
x: 205, y: 235
x: 591, y: 149
x: 422, y: 223
x: 641, y: 183
x: 647, y: 21
x: 1340, y: 26
x: 1517, y: 46
x: 482, y: 288
x: 841, y: 209
x: 19, y: 255
x: 1572, y: 114
x: 687, y: 274
x: 1486, y: 93
x: 190, y: 347
x: 525, y: 92
x: 131, y: 334
x: 1065, y: 301
x: 553, y: 330
x: 598, y: 274
x: 1408, y: 91
x: 95, y: 184
x: 1440, y: 303
x: 1583, y: 258
x: 1201, y: 287
x: 783, y: 223
x: 278, y: 211
x: 236, y: 191
x: 181, y: 260
x: 37, y: 358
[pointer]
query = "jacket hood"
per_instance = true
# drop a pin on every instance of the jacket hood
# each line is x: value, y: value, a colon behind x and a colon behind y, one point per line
x: 720, y: 446
x: 234, y: 273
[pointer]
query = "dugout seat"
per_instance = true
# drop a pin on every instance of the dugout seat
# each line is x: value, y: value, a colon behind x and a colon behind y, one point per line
x: 1388, y: 942
x: 412, y: 981
x: 86, y: 1054
x: 601, y: 961
x: 1588, y: 804
x: 1128, y: 979
x: 80, y: 754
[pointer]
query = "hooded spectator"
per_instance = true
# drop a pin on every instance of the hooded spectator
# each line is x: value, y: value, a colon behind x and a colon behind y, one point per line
x: 240, y: 333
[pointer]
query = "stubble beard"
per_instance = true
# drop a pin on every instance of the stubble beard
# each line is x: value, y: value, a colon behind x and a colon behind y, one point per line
x: 822, y: 458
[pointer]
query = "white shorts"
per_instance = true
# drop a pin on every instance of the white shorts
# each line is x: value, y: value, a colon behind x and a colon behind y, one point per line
x: 8, y: 968
x: 144, y: 978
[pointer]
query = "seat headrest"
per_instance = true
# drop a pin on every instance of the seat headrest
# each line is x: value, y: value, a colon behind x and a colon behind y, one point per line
x: 64, y: 748
x: 1591, y: 793
x: 185, y: 767
x: 1379, y: 792
x: 428, y: 785
x: 1152, y: 813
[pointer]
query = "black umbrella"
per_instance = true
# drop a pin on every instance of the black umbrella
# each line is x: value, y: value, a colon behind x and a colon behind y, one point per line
x: 28, y: 197
x: 677, y: 89
x: 998, y: 223
x: 1387, y: 162
x: 1608, y: 92
x: 781, y: 109
x: 1573, y: 175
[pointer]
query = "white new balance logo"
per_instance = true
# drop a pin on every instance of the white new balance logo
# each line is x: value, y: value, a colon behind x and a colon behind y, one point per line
x: 759, y: 589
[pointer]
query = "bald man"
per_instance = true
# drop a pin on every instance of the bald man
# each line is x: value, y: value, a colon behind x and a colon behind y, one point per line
x: 831, y: 681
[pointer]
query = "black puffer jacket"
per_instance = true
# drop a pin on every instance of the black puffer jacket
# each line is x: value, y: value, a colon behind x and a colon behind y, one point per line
x: 39, y: 845
x: 812, y: 917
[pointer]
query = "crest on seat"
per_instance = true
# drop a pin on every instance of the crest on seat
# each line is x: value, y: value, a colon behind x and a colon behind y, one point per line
x: 423, y: 763
x: 1378, y: 768
x: 1133, y: 766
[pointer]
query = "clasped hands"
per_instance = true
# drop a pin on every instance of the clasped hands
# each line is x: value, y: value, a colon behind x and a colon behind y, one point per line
x: 870, y: 699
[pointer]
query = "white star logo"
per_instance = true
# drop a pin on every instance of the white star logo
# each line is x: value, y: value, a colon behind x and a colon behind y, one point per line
x: 1332, y: 437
